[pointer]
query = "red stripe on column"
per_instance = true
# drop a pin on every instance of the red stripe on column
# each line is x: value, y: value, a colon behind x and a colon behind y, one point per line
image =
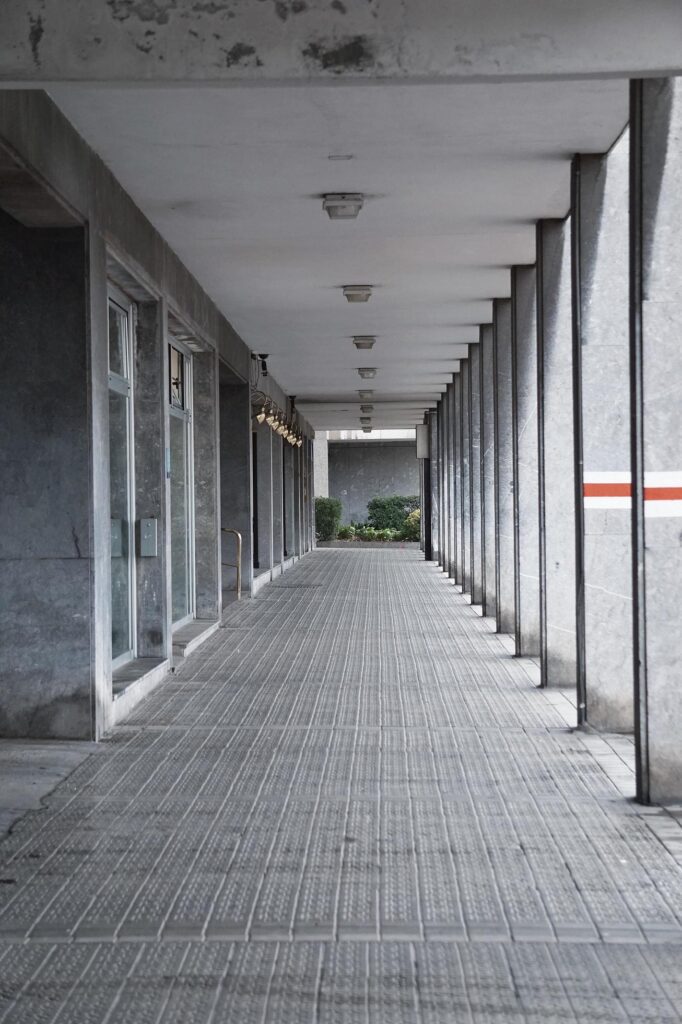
x: 663, y: 493
x: 607, y: 490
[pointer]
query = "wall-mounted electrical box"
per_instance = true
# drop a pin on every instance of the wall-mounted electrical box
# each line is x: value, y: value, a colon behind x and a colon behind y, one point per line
x: 148, y: 538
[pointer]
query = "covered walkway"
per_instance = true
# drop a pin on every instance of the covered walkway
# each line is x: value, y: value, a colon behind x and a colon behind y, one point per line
x: 351, y: 805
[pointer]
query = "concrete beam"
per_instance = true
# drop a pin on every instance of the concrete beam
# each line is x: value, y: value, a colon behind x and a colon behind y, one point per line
x: 302, y: 40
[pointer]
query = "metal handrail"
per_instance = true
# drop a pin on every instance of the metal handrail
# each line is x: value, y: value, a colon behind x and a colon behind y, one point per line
x: 238, y: 564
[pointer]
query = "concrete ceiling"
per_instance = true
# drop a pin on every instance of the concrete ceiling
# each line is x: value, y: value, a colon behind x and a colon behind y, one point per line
x: 455, y: 176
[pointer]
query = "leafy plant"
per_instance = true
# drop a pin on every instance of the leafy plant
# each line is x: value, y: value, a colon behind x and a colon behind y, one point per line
x: 391, y: 513
x: 327, y: 518
x: 346, y: 533
x: 411, y: 529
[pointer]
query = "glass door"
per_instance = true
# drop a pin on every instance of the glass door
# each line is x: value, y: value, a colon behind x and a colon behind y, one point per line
x: 121, y: 475
x: 181, y: 485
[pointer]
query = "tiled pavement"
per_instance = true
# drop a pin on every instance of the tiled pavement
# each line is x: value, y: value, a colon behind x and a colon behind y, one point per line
x: 351, y: 805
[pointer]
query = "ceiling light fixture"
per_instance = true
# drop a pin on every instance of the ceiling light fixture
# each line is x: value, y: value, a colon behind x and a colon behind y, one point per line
x: 365, y: 394
x: 367, y: 430
x: 260, y: 418
x: 363, y: 341
x: 365, y: 420
x: 357, y: 292
x: 366, y: 408
x: 270, y: 418
x: 367, y: 372
x: 342, y: 205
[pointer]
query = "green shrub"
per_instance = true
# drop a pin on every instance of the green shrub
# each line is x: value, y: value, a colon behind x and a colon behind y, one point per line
x: 391, y: 513
x: 366, y: 533
x: 411, y: 530
x: 327, y: 518
x: 346, y: 533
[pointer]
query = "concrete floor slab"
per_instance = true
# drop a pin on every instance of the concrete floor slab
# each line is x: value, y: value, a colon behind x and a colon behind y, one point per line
x: 351, y: 804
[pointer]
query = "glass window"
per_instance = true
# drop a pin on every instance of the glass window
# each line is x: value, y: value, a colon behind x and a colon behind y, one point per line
x: 177, y: 378
x: 118, y: 340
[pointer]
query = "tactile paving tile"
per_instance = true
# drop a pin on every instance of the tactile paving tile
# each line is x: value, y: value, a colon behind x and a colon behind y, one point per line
x: 350, y: 805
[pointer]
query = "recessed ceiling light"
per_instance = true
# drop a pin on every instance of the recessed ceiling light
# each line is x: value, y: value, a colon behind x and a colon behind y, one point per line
x: 367, y: 371
x: 365, y: 394
x: 366, y: 408
x: 341, y: 156
x: 365, y: 420
x: 342, y: 205
x: 357, y: 292
x: 367, y: 430
x: 363, y: 340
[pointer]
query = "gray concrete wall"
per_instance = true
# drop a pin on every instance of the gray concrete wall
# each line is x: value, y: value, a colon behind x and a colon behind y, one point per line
x: 656, y: 140
x: 488, y: 467
x: 603, y: 354
x: 321, y: 458
x: 504, y: 468
x: 556, y: 455
x: 362, y: 470
x: 46, y: 506
x: 525, y: 454
x: 33, y: 128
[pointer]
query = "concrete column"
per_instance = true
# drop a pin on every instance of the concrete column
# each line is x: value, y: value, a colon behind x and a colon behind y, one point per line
x: 450, y: 481
x: 443, y: 482
x: 442, y: 508
x: 601, y: 366
x: 236, y: 510
x: 525, y: 461
x: 556, y: 455
x: 465, y: 532
x: 321, y: 459
x: 262, y: 475
x: 277, y: 501
x: 504, y: 468
x: 488, y: 468
x: 46, y: 686
x: 656, y: 362
x: 298, y: 503
x: 476, y: 542
x: 459, y: 510
x: 208, y: 589
x: 434, y: 479
x: 308, y: 494
x: 289, y: 501
x: 149, y: 401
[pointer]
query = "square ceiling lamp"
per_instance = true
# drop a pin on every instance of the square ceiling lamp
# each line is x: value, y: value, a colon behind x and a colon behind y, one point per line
x: 342, y: 205
x: 357, y: 292
x: 363, y: 341
x: 365, y: 394
x: 367, y: 372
